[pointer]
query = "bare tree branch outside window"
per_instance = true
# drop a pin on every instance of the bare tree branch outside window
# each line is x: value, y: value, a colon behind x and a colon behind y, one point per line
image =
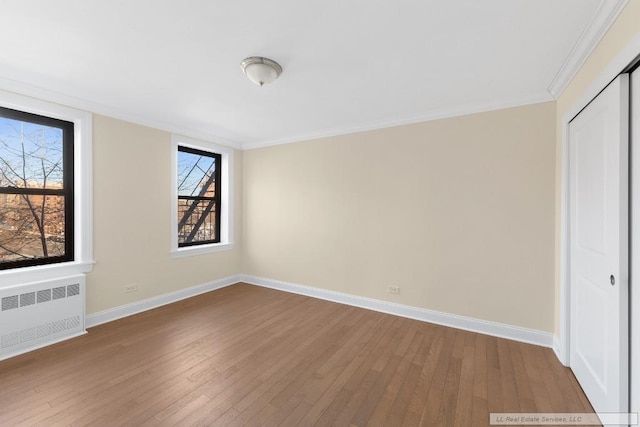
x: 32, y: 190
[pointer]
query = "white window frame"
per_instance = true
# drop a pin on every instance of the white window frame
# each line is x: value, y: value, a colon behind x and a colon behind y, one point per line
x: 83, y: 201
x: 226, y: 197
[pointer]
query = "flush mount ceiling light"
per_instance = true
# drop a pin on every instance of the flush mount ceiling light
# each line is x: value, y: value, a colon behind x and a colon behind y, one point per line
x: 260, y: 70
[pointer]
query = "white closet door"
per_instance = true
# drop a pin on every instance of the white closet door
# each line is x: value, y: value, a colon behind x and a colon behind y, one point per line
x: 599, y: 197
x: 635, y: 244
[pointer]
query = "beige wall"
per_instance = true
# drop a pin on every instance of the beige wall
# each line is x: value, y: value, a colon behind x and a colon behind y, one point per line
x: 457, y: 212
x: 626, y: 27
x: 132, y: 205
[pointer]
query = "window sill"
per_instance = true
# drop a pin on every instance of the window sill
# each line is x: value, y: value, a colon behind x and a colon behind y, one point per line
x: 40, y: 273
x: 200, y: 250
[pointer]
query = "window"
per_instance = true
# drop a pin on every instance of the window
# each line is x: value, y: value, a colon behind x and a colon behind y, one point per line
x: 198, y: 197
x: 202, y: 203
x: 36, y: 189
x: 50, y: 235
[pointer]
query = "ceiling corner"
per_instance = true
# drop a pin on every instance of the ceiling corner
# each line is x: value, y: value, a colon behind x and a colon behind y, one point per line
x: 588, y: 40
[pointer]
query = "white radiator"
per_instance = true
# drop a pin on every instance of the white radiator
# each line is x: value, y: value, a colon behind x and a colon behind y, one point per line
x: 38, y: 314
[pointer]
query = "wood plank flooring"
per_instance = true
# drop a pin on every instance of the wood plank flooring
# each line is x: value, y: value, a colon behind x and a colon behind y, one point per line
x: 245, y: 355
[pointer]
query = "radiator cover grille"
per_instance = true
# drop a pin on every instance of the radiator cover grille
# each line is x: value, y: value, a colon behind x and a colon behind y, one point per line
x: 36, y: 314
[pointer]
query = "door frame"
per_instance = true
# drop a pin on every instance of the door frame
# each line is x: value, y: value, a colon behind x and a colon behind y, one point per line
x: 561, y: 345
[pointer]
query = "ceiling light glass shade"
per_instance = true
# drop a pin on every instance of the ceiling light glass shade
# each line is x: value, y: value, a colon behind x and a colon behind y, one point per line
x: 261, y: 70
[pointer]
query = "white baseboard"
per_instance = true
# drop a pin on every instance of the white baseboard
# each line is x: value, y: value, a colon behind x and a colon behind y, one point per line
x: 109, y: 315
x: 495, y: 329
x: 559, y: 350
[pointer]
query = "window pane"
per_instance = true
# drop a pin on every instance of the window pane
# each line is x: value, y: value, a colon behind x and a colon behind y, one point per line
x: 196, y: 175
x: 31, y: 226
x: 197, y: 221
x: 31, y: 155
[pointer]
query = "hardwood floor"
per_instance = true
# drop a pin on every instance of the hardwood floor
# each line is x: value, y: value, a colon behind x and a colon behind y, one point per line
x: 246, y: 355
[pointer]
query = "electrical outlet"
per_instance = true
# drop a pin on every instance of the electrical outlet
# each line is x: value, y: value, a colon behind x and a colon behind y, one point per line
x: 394, y: 290
x: 130, y: 288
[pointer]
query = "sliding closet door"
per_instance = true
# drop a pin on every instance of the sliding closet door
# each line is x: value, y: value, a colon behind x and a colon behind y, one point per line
x: 599, y: 257
x: 635, y: 242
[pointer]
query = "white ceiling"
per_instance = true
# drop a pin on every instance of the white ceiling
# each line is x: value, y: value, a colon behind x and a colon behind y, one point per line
x: 348, y: 65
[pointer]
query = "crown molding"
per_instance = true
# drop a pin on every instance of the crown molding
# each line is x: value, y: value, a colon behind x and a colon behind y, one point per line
x: 606, y: 15
x: 10, y: 85
x: 435, y: 114
x: 33, y: 91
